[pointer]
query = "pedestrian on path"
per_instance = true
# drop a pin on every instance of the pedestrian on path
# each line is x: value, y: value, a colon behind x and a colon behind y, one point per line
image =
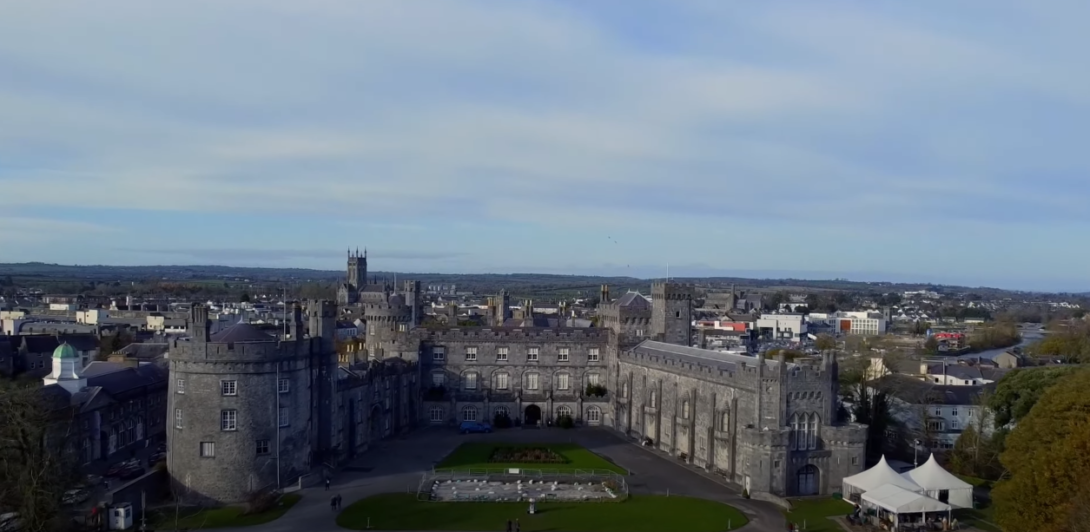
x: 339, y: 499
x: 327, y: 483
x: 333, y: 503
x: 517, y: 526
x: 508, y: 525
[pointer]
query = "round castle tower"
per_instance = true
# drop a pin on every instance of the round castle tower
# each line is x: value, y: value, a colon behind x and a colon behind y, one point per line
x: 241, y: 401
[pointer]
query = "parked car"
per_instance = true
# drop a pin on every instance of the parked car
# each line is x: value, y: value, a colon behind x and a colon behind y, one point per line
x: 468, y: 427
x: 75, y: 496
x: 132, y: 472
x: 120, y: 467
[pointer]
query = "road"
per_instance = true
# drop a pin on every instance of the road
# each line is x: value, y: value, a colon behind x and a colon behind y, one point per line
x: 396, y: 466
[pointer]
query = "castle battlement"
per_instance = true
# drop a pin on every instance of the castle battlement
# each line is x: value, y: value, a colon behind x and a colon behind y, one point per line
x: 672, y: 291
x: 516, y: 334
x: 242, y: 352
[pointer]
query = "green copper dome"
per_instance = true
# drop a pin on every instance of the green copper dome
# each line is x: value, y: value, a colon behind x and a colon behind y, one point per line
x: 65, y: 351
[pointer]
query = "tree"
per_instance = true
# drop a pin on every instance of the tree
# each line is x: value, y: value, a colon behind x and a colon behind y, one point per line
x: 976, y: 453
x: 244, y: 298
x: 875, y: 409
x: 825, y: 342
x: 37, y: 461
x: 931, y: 346
x: 1047, y: 460
x: 1019, y: 390
x: 995, y: 336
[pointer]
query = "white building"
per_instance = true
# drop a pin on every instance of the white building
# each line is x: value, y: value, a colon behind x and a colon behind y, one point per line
x: 853, y: 322
x: 782, y: 326
x: 934, y: 412
x: 91, y: 316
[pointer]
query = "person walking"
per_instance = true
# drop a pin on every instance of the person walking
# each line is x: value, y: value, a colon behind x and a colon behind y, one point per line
x: 339, y: 499
x: 508, y: 525
x: 518, y: 528
x: 333, y: 503
x: 327, y: 483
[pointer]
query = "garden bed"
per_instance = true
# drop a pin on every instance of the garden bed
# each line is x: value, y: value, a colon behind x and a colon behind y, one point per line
x: 525, y: 455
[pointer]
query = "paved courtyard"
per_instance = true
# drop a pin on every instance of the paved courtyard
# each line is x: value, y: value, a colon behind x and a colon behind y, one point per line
x: 396, y: 466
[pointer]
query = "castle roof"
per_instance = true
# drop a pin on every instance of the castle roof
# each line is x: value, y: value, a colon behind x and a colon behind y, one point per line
x: 704, y: 357
x: 633, y: 300
x: 241, y: 332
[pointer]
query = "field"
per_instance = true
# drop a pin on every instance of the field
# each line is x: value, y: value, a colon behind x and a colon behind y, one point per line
x: 224, y: 517
x: 815, y: 513
x: 398, y: 511
x: 479, y: 456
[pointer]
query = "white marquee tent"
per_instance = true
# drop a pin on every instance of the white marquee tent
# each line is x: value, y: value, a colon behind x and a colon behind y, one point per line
x: 933, y: 479
x: 900, y: 501
x: 879, y: 475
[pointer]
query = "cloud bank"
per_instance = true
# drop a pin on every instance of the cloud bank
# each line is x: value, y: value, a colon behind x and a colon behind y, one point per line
x: 838, y: 137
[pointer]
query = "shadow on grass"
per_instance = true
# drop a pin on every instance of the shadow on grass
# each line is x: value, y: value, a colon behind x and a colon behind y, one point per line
x: 222, y: 517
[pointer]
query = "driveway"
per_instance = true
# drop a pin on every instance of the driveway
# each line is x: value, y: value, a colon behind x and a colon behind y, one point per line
x: 396, y: 466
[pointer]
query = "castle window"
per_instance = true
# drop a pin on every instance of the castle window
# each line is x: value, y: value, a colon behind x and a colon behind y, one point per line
x: 501, y: 381
x: 501, y: 411
x: 532, y: 354
x: 208, y: 449
x: 811, y: 442
x: 283, y: 417
x: 593, y: 379
x: 563, y: 355
x: 594, y: 415
x: 724, y: 421
x: 639, y: 332
x: 501, y: 354
x: 436, y: 415
x: 592, y: 355
x: 563, y: 381
x: 262, y: 446
x: 438, y: 353
x: 677, y: 314
x: 283, y: 386
x: 624, y: 390
x: 562, y: 411
x: 469, y: 413
x: 471, y: 354
x: 471, y: 381
x: 798, y: 436
x: 228, y: 419
x: 438, y: 379
x: 229, y: 387
x: 402, y: 327
x: 177, y: 418
x: 685, y: 409
x: 180, y: 388
x: 532, y: 381
x: 654, y: 399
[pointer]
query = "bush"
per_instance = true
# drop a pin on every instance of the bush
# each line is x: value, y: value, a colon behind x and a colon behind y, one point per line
x: 501, y: 421
x: 435, y: 393
x: 527, y: 455
x: 565, y: 422
x: 745, y: 493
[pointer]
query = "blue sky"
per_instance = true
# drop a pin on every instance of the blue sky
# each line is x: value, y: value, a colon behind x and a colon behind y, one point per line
x: 930, y: 141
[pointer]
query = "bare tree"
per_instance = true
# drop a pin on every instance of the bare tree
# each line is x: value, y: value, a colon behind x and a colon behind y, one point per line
x: 37, y: 458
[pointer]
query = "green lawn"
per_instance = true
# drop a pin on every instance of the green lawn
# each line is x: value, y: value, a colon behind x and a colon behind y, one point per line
x: 224, y: 517
x: 476, y: 455
x: 399, y: 511
x: 815, y: 513
x: 980, y: 518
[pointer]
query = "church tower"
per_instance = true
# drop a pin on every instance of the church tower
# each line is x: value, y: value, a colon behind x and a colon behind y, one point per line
x: 357, y: 269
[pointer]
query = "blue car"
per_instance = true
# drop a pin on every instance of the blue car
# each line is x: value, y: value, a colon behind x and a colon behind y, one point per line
x: 468, y: 427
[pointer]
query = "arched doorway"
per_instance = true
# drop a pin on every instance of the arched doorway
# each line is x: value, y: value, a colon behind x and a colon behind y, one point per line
x: 533, y: 415
x: 376, y: 423
x: 808, y: 477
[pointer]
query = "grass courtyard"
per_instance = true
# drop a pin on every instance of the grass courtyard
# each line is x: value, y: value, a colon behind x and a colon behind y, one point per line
x: 642, y: 513
x: 559, y: 456
x: 223, y: 517
x: 815, y: 513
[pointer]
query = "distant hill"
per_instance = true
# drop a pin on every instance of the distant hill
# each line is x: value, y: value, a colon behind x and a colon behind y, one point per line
x: 28, y: 272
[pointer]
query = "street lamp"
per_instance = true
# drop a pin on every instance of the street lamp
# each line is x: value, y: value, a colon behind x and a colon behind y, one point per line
x: 916, y: 453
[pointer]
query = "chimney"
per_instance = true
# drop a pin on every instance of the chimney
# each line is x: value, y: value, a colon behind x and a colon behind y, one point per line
x: 296, y: 326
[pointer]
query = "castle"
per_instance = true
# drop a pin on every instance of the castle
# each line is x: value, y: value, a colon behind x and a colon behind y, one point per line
x: 769, y: 425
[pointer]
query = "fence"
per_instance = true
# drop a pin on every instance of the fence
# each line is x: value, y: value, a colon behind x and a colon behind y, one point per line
x: 616, y: 481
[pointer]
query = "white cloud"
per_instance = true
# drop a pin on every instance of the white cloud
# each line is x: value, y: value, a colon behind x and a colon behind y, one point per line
x: 347, y: 107
x: 18, y: 230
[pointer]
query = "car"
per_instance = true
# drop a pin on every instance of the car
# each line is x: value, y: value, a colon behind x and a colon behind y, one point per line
x: 75, y: 496
x: 121, y: 467
x: 469, y: 427
x: 132, y: 472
